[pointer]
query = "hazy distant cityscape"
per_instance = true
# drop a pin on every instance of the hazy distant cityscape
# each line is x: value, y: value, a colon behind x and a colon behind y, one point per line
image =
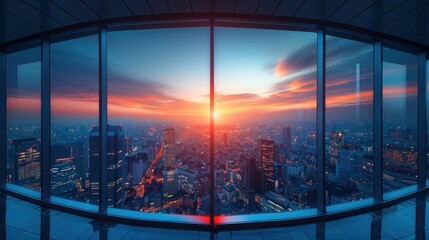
x: 259, y: 167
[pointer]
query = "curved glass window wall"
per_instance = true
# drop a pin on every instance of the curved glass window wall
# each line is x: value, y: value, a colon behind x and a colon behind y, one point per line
x: 214, y: 121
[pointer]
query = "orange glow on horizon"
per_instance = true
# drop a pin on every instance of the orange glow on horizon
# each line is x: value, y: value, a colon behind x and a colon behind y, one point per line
x: 74, y: 107
x: 31, y: 105
x: 294, y: 95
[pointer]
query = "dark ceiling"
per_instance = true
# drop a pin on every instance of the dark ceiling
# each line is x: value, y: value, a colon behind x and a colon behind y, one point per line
x: 408, y: 19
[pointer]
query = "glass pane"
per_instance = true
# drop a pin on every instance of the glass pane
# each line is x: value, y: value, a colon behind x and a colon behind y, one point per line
x: 349, y: 120
x: 265, y: 146
x: 23, y: 118
x: 399, y: 119
x: 74, y: 110
x: 158, y: 96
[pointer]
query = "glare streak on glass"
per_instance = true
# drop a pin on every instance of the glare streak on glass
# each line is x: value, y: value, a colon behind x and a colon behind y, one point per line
x: 349, y: 120
x: 399, y: 119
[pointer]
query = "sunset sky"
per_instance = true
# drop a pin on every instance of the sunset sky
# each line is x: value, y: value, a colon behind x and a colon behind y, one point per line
x: 163, y: 74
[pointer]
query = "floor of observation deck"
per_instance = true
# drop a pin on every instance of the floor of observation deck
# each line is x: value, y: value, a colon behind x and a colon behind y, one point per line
x: 23, y: 220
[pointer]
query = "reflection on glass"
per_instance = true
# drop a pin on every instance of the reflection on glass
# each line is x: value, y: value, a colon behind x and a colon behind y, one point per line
x: 158, y: 111
x: 399, y: 119
x: 349, y: 136
x: 265, y: 84
x: 74, y: 109
x: 23, y: 118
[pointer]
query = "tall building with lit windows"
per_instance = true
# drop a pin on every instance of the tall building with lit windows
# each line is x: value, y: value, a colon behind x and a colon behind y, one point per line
x: 63, y: 179
x: 336, y: 142
x: 169, y: 151
x: 115, y: 161
x: 265, y: 165
x: 171, y: 184
x: 24, y: 162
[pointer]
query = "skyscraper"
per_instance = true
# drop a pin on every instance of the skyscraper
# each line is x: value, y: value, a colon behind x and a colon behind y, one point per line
x: 72, y: 152
x: 265, y: 165
x: 24, y: 161
x: 171, y: 185
x: 115, y: 160
x: 287, y: 138
x: 248, y: 168
x: 169, y: 152
x: 336, y: 142
x: 63, y: 179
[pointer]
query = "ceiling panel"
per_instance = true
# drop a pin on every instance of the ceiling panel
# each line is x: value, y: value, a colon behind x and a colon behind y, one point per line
x: 30, y: 14
x: 413, y: 28
x: 138, y: 7
x: 17, y: 28
x: 416, y: 33
x: 108, y: 9
x: 201, y: 5
x: 77, y: 9
x: 179, y: 6
x: 13, y: 31
x: 10, y: 35
x: 247, y: 6
x: 376, y: 11
x: 394, y: 14
x: 52, y: 10
x: 287, y: 8
x: 268, y: 7
x: 407, y: 18
x: 7, y: 16
x: 223, y: 6
x: 159, y: 6
x: 350, y: 10
x: 416, y: 28
x: 402, y: 18
x: 318, y: 9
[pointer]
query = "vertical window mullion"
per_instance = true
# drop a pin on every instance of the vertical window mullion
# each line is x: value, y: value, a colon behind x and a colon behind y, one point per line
x: 378, y: 121
x: 3, y: 132
x: 46, y: 120
x: 102, y: 65
x: 320, y: 144
x: 421, y: 132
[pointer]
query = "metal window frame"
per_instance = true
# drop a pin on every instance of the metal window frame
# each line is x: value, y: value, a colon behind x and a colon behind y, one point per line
x: 3, y: 119
x: 320, y: 120
x: 378, y: 121
x: 46, y: 120
x: 421, y: 121
x: 102, y: 66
